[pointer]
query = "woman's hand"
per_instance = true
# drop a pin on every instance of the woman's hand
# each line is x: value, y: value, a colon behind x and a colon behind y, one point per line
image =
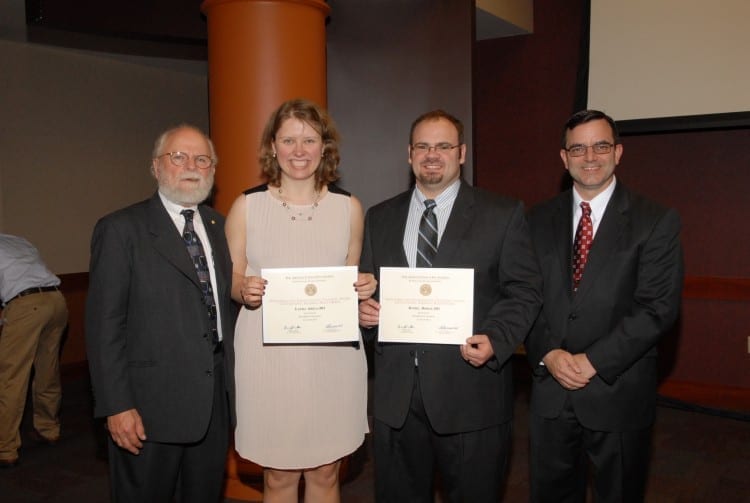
x: 365, y: 285
x: 252, y: 290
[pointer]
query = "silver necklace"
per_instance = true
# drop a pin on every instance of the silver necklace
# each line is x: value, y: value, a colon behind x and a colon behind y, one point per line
x: 300, y: 215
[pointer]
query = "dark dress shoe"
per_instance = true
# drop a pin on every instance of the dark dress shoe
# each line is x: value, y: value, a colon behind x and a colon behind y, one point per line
x: 8, y: 463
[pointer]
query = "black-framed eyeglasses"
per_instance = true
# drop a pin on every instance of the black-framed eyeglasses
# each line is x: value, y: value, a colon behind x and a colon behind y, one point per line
x: 180, y: 159
x: 601, y: 147
x: 443, y: 148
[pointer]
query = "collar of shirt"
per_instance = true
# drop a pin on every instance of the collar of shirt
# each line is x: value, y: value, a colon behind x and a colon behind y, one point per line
x: 174, y: 210
x: 179, y: 221
x: 443, y: 207
x: 598, y: 206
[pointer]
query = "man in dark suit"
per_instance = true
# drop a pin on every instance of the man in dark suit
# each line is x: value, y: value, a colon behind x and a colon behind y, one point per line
x: 439, y: 405
x: 593, y: 348
x: 159, y: 328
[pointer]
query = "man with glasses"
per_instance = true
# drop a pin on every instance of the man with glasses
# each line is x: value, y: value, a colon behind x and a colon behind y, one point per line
x: 437, y: 405
x: 159, y: 325
x: 612, y: 267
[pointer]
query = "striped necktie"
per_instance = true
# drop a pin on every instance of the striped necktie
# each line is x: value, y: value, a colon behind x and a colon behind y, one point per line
x: 427, y: 242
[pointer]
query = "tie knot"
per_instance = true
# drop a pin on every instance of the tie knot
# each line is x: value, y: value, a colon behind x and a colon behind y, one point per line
x: 430, y: 204
x: 188, y: 214
x: 585, y: 208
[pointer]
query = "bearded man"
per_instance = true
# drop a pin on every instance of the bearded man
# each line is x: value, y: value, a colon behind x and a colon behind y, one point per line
x: 159, y: 324
x: 441, y: 408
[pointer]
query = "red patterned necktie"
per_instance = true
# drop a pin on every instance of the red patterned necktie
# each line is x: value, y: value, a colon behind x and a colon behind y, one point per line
x: 582, y: 243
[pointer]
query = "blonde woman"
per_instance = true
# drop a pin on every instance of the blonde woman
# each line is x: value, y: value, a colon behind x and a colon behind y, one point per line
x: 300, y: 408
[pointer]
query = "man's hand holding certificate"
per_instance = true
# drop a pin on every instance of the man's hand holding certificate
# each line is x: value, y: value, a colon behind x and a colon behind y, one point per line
x: 310, y: 305
x: 426, y: 305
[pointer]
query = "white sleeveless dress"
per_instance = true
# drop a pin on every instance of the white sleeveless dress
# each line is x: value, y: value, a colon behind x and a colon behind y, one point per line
x: 298, y: 406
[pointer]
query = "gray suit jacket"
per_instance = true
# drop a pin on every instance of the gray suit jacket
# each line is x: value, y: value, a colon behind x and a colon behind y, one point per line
x: 485, y: 232
x: 628, y: 298
x: 147, y: 333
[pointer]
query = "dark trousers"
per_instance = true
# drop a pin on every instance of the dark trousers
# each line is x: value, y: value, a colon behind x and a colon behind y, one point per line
x: 189, y: 473
x: 471, y: 465
x: 562, y: 449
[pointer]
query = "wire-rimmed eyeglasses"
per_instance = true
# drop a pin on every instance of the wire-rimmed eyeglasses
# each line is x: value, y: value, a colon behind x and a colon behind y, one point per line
x: 180, y: 159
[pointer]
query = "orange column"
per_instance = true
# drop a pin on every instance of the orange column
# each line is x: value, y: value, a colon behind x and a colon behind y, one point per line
x: 260, y: 53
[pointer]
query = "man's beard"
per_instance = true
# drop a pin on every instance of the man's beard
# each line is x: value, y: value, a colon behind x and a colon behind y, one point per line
x: 188, y: 197
x: 430, y: 178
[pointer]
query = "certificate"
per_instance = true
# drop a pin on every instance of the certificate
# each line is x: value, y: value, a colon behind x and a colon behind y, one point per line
x: 426, y: 305
x: 310, y: 305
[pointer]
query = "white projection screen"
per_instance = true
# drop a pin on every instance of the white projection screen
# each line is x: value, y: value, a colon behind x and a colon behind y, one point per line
x: 671, y: 64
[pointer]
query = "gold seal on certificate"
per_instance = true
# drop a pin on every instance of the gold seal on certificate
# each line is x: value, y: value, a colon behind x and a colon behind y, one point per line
x: 304, y: 305
x: 426, y: 305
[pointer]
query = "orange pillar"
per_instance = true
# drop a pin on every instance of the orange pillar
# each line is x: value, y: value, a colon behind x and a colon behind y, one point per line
x: 260, y: 53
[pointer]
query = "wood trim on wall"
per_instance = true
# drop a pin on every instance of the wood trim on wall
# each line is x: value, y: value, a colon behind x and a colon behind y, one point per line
x: 716, y: 288
x: 74, y: 287
x: 707, y: 395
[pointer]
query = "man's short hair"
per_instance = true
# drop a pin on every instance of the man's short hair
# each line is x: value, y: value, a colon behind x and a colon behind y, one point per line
x: 436, y: 115
x: 585, y: 116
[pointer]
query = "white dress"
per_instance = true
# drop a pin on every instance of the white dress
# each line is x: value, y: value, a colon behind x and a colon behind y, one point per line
x: 298, y: 406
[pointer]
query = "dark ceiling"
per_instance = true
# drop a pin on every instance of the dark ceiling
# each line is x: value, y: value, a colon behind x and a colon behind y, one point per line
x: 166, y: 28
x: 156, y: 28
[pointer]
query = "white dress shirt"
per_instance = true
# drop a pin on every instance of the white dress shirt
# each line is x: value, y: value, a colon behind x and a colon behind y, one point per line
x: 179, y: 222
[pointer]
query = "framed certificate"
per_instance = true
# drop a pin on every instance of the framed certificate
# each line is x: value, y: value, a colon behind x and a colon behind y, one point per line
x: 310, y: 305
x: 426, y: 305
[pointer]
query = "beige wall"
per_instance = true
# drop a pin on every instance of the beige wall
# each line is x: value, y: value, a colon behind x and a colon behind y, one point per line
x: 76, y: 139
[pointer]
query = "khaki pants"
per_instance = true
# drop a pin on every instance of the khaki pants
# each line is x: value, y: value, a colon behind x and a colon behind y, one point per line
x: 30, y: 336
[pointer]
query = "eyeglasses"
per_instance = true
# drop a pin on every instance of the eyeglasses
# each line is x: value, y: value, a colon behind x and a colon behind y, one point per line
x: 180, y: 159
x: 602, y: 147
x: 443, y: 148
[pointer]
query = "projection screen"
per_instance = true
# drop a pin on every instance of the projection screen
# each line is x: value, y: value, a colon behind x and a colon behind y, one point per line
x: 671, y: 64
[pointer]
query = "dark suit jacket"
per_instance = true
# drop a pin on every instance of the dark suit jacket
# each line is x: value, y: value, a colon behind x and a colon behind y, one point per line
x: 485, y: 232
x: 628, y: 297
x: 146, y: 324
